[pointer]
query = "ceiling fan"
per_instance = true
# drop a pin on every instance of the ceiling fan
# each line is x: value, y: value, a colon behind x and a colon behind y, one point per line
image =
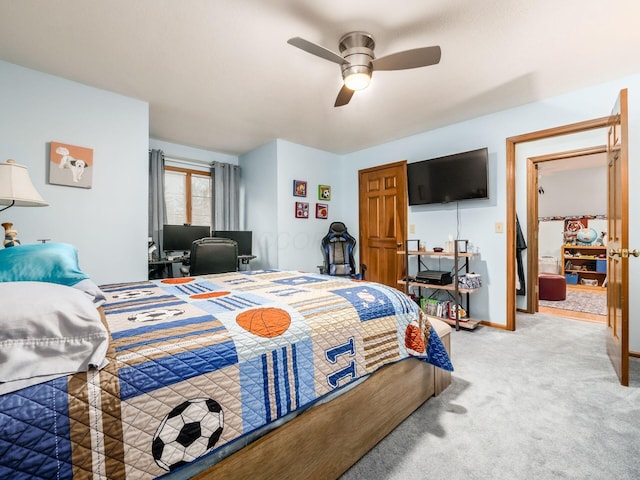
x: 358, y: 61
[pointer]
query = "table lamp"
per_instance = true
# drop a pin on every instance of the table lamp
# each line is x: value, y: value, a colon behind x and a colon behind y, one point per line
x: 16, y: 189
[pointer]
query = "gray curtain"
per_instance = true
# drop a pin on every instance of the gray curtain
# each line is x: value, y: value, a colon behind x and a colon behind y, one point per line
x: 226, y: 196
x: 157, y: 207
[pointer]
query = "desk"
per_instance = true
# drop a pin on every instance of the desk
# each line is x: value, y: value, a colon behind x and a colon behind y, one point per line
x: 243, y: 261
x: 163, y: 268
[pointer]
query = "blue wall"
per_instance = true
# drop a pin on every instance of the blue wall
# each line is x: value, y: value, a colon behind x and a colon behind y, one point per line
x: 259, y: 173
x: 107, y: 223
x: 478, y: 217
x: 281, y: 240
x: 110, y: 220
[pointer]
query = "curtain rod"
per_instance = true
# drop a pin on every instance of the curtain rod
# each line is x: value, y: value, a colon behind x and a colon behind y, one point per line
x: 185, y: 159
x: 209, y: 163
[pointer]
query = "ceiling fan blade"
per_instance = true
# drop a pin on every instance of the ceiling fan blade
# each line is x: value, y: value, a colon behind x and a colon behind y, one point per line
x: 344, y: 95
x: 417, y: 57
x: 316, y: 50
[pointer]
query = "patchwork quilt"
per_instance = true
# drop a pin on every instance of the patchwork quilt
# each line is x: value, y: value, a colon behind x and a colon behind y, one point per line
x: 198, y: 363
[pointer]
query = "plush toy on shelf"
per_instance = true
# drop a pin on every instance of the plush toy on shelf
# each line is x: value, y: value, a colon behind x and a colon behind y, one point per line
x: 10, y: 235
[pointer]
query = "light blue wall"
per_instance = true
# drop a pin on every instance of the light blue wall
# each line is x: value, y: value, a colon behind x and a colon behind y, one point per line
x: 279, y: 239
x: 299, y: 239
x: 477, y: 219
x: 107, y: 223
x: 434, y: 224
x: 259, y: 173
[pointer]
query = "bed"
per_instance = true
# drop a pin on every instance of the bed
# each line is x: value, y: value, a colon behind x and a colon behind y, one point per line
x: 261, y: 373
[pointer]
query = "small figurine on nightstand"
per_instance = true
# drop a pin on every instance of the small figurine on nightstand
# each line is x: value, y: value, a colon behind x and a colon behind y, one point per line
x: 10, y: 235
x: 152, y: 248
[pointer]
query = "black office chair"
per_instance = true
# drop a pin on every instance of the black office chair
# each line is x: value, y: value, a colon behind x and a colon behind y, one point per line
x: 212, y: 255
x: 337, y: 248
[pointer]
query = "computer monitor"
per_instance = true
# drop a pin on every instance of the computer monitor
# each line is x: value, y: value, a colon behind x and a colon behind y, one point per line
x: 180, y: 237
x: 242, y: 237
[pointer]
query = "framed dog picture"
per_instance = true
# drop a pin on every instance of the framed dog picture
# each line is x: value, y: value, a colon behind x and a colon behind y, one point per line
x: 324, y: 192
x: 70, y: 165
x: 302, y: 210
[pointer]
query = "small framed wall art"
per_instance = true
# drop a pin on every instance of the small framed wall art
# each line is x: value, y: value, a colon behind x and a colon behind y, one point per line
x: 322, y: 210
x: 70, y: 165
x: 302, y: 210
x: 324, y: 192
x: 299, y: 188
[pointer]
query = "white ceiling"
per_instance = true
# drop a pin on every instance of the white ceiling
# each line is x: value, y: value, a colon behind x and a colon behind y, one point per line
x: 219, y: 75
x: 552, y: 167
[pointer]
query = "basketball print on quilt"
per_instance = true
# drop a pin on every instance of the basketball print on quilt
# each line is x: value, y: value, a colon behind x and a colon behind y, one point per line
x: 267, y: 322
x: 414, y: 339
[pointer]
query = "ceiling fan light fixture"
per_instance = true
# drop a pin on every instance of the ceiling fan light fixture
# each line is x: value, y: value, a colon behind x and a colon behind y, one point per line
x: 358, y: 61
x: 357, y: 81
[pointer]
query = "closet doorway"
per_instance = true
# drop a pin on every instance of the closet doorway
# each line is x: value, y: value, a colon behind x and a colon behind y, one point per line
x: 563, y: 187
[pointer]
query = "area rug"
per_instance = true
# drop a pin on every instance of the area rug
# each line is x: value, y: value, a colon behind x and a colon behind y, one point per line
x: 587, y: 302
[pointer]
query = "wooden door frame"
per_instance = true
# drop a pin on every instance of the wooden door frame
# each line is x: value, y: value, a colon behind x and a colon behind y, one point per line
x: 511, y: 144
x: 532, y: 214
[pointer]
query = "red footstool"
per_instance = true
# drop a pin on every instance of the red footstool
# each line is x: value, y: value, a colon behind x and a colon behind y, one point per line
x: 552, y: 286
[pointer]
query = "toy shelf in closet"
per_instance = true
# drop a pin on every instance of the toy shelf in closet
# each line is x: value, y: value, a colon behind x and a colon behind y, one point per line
x: 453, y: 290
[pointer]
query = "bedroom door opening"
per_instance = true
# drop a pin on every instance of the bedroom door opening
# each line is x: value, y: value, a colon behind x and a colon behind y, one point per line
x: 616, y: 125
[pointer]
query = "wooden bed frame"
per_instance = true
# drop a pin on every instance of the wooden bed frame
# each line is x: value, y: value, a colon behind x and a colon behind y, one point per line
x: 326, y: 440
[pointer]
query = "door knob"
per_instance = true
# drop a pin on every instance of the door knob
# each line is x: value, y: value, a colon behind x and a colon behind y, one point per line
x: 624, y: 253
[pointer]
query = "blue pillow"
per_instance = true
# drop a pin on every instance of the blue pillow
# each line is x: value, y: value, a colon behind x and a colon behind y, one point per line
x: 41, y: 262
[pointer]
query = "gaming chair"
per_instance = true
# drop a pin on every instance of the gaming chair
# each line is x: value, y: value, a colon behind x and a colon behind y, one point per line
x: 337, y: 249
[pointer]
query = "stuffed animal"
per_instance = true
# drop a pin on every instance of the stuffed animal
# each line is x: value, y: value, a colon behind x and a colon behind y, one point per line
x: 10, y: 235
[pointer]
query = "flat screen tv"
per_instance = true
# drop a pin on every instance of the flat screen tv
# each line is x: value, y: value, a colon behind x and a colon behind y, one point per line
x: 180, y: 237
x: 242, y: 237
x: 461, y: 176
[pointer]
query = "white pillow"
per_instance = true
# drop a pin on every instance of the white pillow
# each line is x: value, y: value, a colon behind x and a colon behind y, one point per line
x: 47, y: 330
x: 89, y: 287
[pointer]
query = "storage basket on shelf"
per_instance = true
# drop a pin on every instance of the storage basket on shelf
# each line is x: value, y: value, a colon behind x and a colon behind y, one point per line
x: 572, y: 278
x: 470, y: 281
x: 547, y: 264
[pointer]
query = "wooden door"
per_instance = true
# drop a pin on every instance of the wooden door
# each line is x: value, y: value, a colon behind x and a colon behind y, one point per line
x: 618, y: 239
x: 383, y: 207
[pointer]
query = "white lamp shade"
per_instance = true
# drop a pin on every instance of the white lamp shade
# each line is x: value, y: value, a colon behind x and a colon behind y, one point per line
x: 16, y: 186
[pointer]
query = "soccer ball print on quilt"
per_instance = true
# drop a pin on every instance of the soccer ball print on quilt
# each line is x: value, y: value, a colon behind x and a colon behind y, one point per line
x: 187, y: 432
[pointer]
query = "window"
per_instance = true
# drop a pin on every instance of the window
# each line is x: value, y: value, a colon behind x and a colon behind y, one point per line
x: 187, y: 194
